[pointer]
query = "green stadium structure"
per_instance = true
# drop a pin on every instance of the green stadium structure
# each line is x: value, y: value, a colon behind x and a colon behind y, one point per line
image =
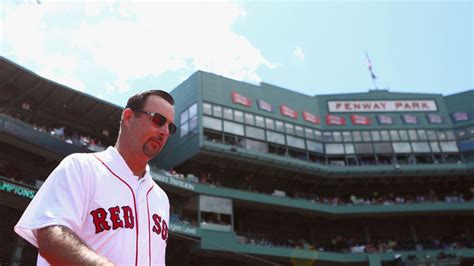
x: 261, y: 175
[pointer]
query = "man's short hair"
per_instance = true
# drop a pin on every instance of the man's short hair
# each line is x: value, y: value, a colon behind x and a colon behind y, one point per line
x: 137, y: 101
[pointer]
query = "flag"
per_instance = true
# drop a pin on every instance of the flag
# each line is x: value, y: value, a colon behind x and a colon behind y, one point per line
x: 311, y: 118
x: 369, y: 64
x: 263, y: 105
x: 410, y: 119
x: 360, y: 120
x: 239, y: 99
x: 385, y: 119
x: 287, y: 111
x: 435, y: 119
x: 335, y: 120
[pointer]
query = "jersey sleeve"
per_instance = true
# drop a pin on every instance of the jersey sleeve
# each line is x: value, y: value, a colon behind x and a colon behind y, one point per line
x: 61, y: 200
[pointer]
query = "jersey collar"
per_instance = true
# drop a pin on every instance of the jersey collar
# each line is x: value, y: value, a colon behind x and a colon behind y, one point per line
x: 114, y: 160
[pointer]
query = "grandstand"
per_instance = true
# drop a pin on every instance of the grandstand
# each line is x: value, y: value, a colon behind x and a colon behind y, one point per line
x: 261, y: 175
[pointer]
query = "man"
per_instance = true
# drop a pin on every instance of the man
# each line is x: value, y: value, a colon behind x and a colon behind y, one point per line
x: 103, y: 208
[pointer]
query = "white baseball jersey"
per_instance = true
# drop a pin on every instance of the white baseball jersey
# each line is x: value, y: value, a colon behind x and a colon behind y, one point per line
x: 98, y: 197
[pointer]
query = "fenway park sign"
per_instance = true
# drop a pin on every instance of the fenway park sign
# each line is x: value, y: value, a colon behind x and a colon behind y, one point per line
x: 382, y: 106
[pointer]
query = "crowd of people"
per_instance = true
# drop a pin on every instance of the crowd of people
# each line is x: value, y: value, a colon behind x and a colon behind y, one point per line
x: 376, y: 198
x: 350, y: 245
x: 9, y: 170
x: 391, y: 198
x: 68, y: 136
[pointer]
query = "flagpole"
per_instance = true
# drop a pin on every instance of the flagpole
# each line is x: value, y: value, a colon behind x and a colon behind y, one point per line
x: 369, y: 65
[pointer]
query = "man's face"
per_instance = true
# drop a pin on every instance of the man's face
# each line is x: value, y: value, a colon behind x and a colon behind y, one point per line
x: 145, y: 138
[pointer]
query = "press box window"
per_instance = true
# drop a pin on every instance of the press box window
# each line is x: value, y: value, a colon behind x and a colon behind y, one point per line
x: 421, y: 147
x: 299, y: 131
x: 346, y: 136
x: 270, y: 123
x: 375, y: 135
x: 435, y: 146
x: 295, y: 142
x: 337, y: 136
x: 366, y: 136
x: 308, y: 132
x: 356, y: 136
x: 349, y: 148
x: 217, y: 111
x: 212, y: 123
x: 385, y: 136
x: 228, y: 114
x: 383, y: 148
x: 401, y: 147
x: 315, y: 146
x: 249, y: 119
x: 422, y: 134
x: 412, y: 134
x: 233, y: 128
x: 441, y: 135
x: 394, y: 135
x: 449, y: 146
x: 334, y: 148
x: 275, y: 137
x: 431, y: 135
x: 450, y: 135
x: 207, y: 108
x: 318, y: 135
x: 403, y: 134
x: 364, y: 148
x: 279, y: 126
x: 259, y: 121
x: 289, y: 128
x: 188, y: 121
x: 327, y: 137
x: 254, y: 132
x: 239, y: 116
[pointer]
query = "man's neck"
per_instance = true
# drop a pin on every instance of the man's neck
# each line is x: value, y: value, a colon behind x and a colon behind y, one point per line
x: 138, y: 168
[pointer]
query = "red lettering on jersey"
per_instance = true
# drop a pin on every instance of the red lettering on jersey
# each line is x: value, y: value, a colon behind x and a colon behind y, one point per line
x: 164, y: 233
x: 157, y: 227
x: 98, y: 217
x: 160, y: 227
x: 115, y: 218
x: 128, y: 217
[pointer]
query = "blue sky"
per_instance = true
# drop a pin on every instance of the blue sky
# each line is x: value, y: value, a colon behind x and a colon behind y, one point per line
x: 113, y: 49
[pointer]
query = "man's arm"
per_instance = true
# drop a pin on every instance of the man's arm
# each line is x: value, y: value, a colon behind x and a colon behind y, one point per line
x: 61, y: 246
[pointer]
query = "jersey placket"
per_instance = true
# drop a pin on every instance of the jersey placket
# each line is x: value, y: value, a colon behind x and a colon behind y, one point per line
x: 142, y: 215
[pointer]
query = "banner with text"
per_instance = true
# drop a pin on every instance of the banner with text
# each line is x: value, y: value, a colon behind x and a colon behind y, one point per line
x: 287, y: 111
x: 360, y: 120
x: 335, y: 120
x: 382, y: 106
x: 239, y: 99
x: 311, y: 118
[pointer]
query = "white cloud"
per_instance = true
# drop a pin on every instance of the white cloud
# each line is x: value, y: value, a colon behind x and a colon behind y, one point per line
x: 298, y: 53
x: 131, y: 40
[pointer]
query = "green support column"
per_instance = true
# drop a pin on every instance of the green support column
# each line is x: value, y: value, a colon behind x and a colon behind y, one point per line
x: 374, y: 260
x: 413, y: 233
x: 366, y: 234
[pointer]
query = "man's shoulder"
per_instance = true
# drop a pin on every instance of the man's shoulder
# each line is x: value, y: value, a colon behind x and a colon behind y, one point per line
x: 79, y: 159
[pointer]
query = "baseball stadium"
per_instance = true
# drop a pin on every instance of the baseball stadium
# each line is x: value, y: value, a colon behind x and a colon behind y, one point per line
x: 263, y: 175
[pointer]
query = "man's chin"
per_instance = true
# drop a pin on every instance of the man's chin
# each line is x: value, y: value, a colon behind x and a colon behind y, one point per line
x: 150, y: 153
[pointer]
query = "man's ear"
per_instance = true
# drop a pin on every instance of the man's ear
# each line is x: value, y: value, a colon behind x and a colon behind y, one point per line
x: 127, y: 115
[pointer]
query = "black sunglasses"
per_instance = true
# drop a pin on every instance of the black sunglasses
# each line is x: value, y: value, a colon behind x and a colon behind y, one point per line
x: 159, y: 120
